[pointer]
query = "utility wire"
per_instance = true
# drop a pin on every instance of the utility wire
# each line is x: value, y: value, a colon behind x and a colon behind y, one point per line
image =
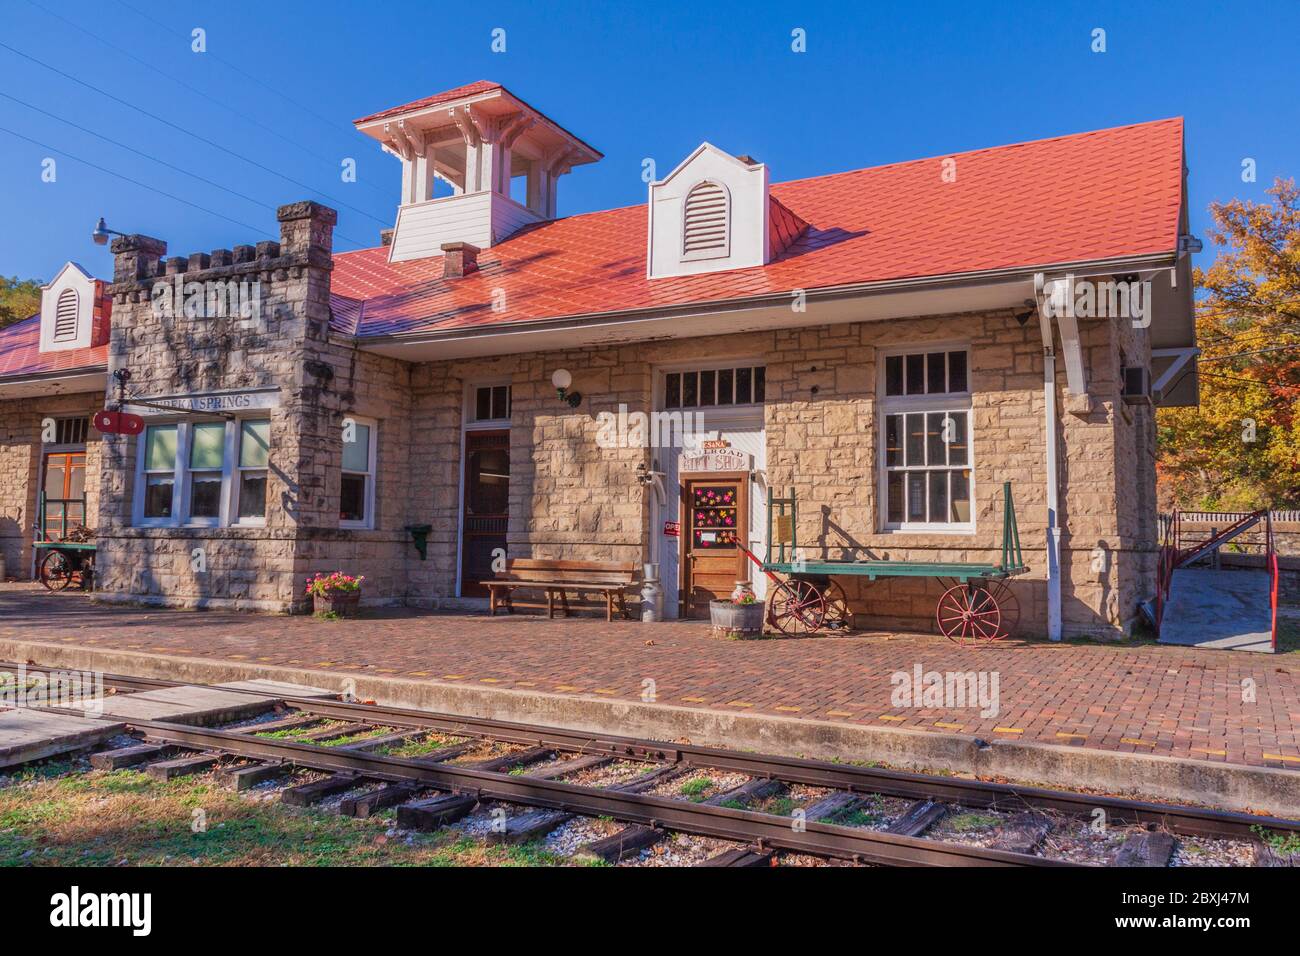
x: 162, y: 162
x: 182, y: 129
x: 136, y: 182
x: 332, y: 124
x: 242, y: 114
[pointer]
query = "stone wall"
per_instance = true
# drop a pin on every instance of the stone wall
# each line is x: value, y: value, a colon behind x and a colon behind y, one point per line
x: 20, y: 468
x: 252, y: 567
x: 572, y: 499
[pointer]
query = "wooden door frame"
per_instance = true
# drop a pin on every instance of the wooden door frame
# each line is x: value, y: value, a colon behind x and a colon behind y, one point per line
x: 684, y: 480
x: 462, y: 534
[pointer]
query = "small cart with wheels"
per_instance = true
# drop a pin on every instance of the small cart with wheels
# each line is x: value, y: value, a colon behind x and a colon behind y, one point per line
x: 976, y: 606
x: 65, y: 551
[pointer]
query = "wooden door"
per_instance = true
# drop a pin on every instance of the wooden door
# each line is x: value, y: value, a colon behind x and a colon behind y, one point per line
x: 715, y: 512
x: 65, y: 489
x: 487, y: 507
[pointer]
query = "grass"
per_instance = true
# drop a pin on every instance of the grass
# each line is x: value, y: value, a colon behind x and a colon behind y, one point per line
x: 421, y: 748
x: 696, y: 787
x: 1283, y: 844
x: 855, y: 818
x: 965, y: 822
x: 53, y: 816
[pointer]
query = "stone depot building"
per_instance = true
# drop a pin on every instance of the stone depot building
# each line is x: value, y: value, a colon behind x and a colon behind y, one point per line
x: 892, y: 343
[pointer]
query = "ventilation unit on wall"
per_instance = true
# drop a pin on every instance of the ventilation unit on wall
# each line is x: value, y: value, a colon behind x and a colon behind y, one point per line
x: 704, y: 222
x: 1135, y: 382
x: 65, y: 318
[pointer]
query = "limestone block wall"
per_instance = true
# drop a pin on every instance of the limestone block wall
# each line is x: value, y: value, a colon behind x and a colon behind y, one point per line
x: 250, y: 567
x: 20, y: 469
x: 572, y: 499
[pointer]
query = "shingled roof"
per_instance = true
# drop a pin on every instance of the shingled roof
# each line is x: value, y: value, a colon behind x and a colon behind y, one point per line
x: 1101, y: 195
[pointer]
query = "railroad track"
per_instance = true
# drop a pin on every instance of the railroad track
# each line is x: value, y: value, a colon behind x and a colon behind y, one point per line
x: 434, y: 790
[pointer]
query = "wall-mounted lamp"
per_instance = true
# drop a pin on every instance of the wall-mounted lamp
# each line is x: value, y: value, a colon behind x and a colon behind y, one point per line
x: 102, y: 232
x: 562, y: 380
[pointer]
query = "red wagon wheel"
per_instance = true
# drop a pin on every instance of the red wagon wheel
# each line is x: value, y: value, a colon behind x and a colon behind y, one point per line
x: 796, y: 608
x: 56, y: 571
x: 838, y: 615
x: 1008, y: 607
x: 968, y: 613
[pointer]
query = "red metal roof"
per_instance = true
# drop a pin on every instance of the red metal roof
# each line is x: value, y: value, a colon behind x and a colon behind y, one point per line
x: 20, y: 353
x: 1099, y: 195
x: 469, y: 89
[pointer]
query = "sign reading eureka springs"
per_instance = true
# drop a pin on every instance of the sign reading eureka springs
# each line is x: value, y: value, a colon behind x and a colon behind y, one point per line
x: 239, y: 400
x: 715, y: 455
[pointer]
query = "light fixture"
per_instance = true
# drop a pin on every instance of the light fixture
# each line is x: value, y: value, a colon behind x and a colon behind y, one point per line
x: 102, y: 232
x: 561, y: 379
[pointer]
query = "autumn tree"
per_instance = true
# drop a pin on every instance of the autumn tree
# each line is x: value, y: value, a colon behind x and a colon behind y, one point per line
x: 1240, y: 450
x: 19, y: 299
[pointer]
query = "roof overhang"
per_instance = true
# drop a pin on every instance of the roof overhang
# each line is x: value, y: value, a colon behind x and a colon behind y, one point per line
x: 862, y: 302
x: 47, y: 384
x: 455, y: 119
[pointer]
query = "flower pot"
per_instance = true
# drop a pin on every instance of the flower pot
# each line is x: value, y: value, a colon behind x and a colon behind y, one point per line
x: 736, y: 621
x: 338, y: 602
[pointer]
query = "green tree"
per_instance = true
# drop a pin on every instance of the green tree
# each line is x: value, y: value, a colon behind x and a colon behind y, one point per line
x: 1240, y: 450
x: 19, y: 299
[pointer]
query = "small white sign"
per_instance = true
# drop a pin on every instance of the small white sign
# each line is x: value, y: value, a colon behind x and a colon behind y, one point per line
x: 234, y: 401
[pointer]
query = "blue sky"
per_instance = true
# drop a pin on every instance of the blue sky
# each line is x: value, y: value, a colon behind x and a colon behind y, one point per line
x: 281, y: 82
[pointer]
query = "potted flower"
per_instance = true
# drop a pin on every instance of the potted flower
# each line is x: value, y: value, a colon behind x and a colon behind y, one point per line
x: 740, y: 616
x: 335, y: 594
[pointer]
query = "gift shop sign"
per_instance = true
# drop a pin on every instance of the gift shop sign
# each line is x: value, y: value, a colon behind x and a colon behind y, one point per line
x: 716, y: 455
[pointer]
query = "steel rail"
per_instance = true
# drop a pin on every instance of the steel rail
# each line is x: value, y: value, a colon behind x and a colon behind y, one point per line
x: 1182, y: 819
x: 744, y: 826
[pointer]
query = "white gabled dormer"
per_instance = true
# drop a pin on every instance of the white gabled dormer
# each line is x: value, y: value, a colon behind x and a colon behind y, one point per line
x: 478, y: 163
x: 710, y: 214
x: 73, y: 313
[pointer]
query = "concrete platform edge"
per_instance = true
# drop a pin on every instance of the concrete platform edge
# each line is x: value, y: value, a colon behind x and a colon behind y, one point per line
x: 1222, y: 785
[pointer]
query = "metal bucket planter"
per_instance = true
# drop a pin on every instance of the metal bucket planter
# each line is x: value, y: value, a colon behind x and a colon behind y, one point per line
x: 338, y: 603
x: 736, y: 622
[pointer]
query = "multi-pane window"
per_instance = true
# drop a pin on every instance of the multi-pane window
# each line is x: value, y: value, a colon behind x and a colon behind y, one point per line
x: 927, y: 465
x: 254, y: 456
x: 207, y: 459
x: 71, y: 431
x: 160, y: 444
x: 357, y: 490
x: 492, y: 403
x: 703, y: 388
x: 203, y: 473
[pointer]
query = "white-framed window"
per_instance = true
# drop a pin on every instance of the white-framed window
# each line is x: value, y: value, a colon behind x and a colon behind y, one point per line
x: 490, y: 403
x: 202, y: 473
x: 357, y: 488
x: 927, y: 465
x: 707, y: 387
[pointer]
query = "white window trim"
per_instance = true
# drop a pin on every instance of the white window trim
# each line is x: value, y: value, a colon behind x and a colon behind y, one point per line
x: 368, y: 522
x: 471, y: 406
x: 181, y: 472
x: 660, y: 396
x: 887, y: 405
x: 230, y: 494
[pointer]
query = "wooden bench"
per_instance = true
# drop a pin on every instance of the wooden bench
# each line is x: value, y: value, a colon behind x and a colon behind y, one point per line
x: 559, y: 577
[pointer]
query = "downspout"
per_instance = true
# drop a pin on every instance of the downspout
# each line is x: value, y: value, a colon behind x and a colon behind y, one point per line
x: 1051, y: 438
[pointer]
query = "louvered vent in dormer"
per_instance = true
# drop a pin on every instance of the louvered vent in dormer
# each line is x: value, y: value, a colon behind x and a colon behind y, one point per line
x: 65, y: 318
x: 705, y: 221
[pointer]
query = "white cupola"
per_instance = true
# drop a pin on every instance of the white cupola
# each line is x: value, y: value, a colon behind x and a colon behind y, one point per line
x: 478, y: 163
x: 74, y: 311
x: 713, y: 213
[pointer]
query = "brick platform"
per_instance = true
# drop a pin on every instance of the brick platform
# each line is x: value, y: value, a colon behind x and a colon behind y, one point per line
x: 1168, y: 701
